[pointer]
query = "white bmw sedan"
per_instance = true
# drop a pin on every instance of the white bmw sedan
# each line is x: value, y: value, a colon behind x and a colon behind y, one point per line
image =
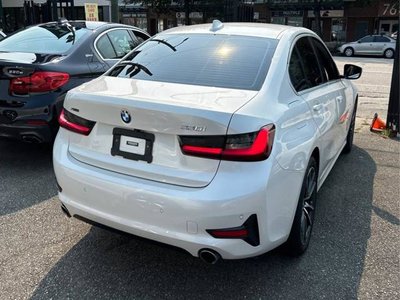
x: 213, y: 138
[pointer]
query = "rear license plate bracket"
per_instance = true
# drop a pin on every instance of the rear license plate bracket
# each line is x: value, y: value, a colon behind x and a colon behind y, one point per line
x: 140, y: 143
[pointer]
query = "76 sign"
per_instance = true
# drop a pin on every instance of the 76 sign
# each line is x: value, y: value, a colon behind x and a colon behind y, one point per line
x: 390, y: 9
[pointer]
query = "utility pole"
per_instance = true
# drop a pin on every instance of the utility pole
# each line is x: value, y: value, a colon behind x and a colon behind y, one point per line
x: 114, y: 11
x: 393, y: 116
x: 1, y: 16
x: 187, y: 12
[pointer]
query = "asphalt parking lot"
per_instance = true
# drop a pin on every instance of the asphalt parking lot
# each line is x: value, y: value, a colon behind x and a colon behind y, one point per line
x: 354, y: 251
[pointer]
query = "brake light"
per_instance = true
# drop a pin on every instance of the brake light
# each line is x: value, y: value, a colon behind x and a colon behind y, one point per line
x: 75, y: 123
x: 38, y: 82
x: 254, y: 146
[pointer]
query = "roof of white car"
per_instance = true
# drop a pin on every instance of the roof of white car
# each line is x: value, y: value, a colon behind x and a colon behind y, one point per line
x: 248, y: 29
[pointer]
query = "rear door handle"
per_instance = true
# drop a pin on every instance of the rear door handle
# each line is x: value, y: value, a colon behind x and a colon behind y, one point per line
x: 317, y: 107
x: 339, y: 99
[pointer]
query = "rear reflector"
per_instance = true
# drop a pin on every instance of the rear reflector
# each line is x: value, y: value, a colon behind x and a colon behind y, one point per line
x: 229, y: 233
x: 38, y: 82
x: 247, y: 232
x: 36, y: 122
x: 254, y: 146
x: 75, y: 123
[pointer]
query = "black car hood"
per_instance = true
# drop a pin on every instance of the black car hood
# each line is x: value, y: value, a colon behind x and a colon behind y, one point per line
x: 27, y: 58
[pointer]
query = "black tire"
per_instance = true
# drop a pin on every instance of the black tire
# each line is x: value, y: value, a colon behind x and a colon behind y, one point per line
x: 350, y: 134
x: 303, y: 222
x: 348, y: 51
x: 389, y: 53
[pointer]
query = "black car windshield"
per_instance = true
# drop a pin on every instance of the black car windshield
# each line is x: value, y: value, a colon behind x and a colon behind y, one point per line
x: 46, y: 39
x: 227, y: 61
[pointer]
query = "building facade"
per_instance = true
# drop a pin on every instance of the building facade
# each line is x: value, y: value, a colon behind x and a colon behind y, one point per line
x: 16, y: 14
x: 340, y: 20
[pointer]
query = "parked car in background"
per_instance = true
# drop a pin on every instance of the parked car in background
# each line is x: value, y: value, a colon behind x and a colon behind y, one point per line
x: 41, y: 63
x: 370, y: 45
x: 212, y: 138
x: 2, y: 35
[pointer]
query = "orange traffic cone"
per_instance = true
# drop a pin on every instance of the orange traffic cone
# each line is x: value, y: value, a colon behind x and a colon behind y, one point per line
x: 378, y: 125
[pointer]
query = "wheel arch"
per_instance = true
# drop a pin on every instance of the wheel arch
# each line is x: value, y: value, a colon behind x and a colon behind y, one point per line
x: 316, y: 156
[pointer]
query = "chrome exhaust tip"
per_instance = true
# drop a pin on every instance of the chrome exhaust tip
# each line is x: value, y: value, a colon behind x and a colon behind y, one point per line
x: 32, y: 139
x: 209, y: 256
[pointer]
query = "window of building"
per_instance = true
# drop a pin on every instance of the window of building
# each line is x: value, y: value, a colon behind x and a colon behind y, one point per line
x: 338, y: 29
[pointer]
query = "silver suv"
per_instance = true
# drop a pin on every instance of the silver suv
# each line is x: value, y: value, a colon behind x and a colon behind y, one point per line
x: 370, y: 45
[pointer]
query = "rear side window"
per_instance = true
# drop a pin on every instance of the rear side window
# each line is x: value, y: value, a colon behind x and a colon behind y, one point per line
x: 304, y: 52
x: 122, y: 42
x: 141, y: 37
x: 240, y: 62
x: 328, y: 66
x: 296, y: 73
x: 44, y: 39
x: 116, y: 44
x: 105, y: 48
x: 381, y: 39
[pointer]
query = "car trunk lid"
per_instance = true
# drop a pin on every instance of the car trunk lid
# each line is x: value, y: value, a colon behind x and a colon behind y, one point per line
x: 164, y: 111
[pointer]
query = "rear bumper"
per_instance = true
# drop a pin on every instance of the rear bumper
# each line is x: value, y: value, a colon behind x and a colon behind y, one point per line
x: 33, y: 134
x: 15, y: 120
x: 177, y: 215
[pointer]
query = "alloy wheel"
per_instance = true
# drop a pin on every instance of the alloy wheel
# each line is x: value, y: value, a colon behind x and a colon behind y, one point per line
x: 389, y: 53
x: 348, y: 52
x: 307, y: 217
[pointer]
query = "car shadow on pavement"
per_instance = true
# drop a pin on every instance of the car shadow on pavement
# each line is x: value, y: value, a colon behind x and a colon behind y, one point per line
x: 105, y: 265
x: 26, y: 175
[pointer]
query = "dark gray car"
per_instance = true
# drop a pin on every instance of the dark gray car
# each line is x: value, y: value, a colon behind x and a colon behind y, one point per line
x: 370, y: 45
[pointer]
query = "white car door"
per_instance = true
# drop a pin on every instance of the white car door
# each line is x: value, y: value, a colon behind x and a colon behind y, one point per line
x: 332, y: 77
x: 321, y: 95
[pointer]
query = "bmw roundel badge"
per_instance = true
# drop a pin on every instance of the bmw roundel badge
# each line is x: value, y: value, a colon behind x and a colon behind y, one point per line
x: 125, y: 116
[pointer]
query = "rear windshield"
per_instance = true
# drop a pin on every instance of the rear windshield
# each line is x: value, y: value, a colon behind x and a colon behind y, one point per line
x: 46, y: 39
x: 239, y: 62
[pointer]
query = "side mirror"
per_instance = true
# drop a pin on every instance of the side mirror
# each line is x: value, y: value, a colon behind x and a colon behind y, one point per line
x: 359, y: 42
x: 352, y: 71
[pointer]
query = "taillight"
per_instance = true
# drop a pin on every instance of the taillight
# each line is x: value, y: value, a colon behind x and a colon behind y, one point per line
x: 38, y: 82
x: 254, y: 146
x: 75, y: 123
